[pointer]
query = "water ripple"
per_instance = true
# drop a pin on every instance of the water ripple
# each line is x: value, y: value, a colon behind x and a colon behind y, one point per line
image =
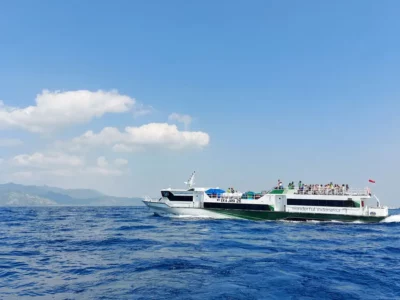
x: 128, y: 253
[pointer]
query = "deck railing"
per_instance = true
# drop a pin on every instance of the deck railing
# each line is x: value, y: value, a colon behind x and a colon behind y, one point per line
x: 236, y: 196
x: 339, y: 191
x: 225, y: 195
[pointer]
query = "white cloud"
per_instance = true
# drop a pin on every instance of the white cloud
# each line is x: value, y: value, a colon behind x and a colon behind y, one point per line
x: 67, y: 146
x: 22, y: 175
x: 185, y: 119
x: 108, y: 136
x: 63, y: 165
x: 89, y: 170
x: 153, y: 134
x: 142, y: 110
x: 59, y: 172
x: 58, y: 109
x: 104, y: 171
x: 1, y: 160
x: 41, y: 160
x: 102, y: 162
x: 120, y: 162
x: 123, y: 148
x: 10, y: 142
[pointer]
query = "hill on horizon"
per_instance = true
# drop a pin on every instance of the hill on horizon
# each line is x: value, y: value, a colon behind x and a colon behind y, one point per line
x: 13, y: 194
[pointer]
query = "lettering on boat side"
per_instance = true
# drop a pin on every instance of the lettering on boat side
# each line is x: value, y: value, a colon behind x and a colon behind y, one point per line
x: 317, y: 209
x: 229, y: 200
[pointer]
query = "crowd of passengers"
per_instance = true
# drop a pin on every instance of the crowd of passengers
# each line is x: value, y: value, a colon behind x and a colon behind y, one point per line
x: 316, y: 189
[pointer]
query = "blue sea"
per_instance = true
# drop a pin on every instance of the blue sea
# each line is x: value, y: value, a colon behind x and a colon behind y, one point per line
x: 129, y: 253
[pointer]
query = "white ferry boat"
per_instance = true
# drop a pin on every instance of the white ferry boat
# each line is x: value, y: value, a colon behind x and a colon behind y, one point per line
x: 307, y: 202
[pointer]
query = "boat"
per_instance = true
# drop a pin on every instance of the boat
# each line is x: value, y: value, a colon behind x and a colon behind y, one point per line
x: 292, y: 203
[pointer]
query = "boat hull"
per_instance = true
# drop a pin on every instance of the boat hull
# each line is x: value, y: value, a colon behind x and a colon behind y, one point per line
x: 161, y: 208
x: 290, y: 216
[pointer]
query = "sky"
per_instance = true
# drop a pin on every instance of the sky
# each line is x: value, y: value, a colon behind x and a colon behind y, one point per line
x: 129, y: 97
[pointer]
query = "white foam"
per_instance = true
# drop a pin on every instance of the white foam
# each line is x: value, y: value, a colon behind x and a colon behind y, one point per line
x: 196, y: 217
x: 190, y: 216
x: 325, y: 221
x: 391, y: 219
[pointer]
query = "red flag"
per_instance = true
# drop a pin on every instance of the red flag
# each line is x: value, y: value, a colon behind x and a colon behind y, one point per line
x: 373, y: 181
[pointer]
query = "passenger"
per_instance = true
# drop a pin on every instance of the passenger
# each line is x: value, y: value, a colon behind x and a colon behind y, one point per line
x: 279, y: 184
x: 301, y: 187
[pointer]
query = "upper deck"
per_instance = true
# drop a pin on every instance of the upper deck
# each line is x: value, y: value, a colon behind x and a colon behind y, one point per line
x: 338, y: 191
x: 312, y: 190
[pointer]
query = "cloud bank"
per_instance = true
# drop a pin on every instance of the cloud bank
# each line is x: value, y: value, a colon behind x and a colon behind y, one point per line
x: 61, y: 164
x: 153, y: 134
x: 54, y: 110
x: 94, y: 155
x: 40, y: 160
x: 186, y: 120
x: 10, y: 142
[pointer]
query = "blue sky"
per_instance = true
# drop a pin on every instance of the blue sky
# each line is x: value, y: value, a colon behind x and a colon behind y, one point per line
x: 283, y: 89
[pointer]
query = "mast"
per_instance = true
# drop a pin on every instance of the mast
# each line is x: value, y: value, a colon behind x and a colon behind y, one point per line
x: 190, y: 182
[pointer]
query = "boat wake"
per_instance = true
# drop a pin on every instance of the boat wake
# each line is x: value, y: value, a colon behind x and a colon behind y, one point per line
x: 324, y: 222
x: 188, y: 217
x: 392, y: 219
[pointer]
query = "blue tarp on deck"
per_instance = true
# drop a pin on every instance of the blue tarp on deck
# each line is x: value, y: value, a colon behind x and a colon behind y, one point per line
x: 215, y: 191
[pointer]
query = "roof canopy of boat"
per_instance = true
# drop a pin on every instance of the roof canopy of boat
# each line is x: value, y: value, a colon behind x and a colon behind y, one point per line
x: 200, y: 189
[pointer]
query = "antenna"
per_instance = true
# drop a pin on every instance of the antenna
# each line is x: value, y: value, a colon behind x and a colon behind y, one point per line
x: 190, y: 182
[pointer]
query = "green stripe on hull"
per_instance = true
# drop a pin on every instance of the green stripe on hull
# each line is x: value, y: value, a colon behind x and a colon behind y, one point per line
x: 278, y: 215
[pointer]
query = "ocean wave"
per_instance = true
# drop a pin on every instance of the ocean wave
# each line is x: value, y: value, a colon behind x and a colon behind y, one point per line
x: 391, y: 219
x: 125, y: 253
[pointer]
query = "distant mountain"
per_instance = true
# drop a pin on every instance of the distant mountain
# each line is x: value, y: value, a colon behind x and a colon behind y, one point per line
x: 22, y: 199
x: 28, y: 195
x: 43, y: 190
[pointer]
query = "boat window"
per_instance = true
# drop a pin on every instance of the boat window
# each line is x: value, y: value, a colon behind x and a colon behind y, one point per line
x: 225, y: 205
x: 322, y: 202
x: 330, y: 203
x: 172, y: 197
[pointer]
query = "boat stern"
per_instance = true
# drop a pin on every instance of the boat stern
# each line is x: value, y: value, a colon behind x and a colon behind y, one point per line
x: 378, y: 212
